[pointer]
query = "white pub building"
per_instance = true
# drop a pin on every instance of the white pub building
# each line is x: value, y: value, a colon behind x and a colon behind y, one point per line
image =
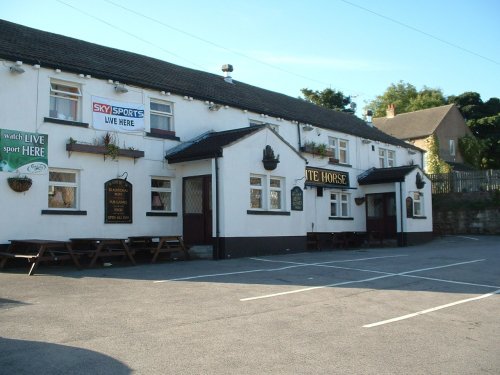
x: 99, y: 142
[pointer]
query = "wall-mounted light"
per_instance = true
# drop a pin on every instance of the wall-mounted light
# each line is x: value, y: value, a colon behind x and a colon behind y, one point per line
x: 214, y: 107
x: 411, y: 152
x: 121, y: 89
x: 307, y: 128
x: 16, y: 69
x: 366, y: 141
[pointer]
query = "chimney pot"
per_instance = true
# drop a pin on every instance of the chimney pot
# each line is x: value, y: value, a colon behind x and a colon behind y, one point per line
x: 391, y: 111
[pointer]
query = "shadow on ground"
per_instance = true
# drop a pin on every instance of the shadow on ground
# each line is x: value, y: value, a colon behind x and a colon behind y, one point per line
x: 34, y: 357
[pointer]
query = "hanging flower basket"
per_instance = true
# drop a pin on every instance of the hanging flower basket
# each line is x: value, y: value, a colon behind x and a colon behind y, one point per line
x: 19, y: 184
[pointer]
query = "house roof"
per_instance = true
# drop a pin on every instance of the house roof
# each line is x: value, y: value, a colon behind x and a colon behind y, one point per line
x: 56, y: 51
x: 384, y: 175
x: 208, y: 145
x: 411, y: 125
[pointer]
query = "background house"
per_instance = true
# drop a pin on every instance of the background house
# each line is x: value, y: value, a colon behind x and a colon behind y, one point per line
x: 445, y: 122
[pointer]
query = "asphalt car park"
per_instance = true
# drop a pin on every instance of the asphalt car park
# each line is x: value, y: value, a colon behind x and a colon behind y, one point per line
x: 428, y: 309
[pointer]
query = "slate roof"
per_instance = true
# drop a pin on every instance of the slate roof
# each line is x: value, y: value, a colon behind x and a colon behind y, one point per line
x: 411, y: 125
x: 209, y: 145
x: 56, y: 51
x: 384, y: 175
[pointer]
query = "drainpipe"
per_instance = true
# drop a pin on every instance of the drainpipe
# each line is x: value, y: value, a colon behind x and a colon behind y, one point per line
x: 298, y: 132
x: 216, y: 253
x: 402, y: 243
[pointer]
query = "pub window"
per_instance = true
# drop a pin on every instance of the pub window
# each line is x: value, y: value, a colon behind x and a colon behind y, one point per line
x: 340, y: 149
x: 418, y: 204
x: 340, y: 205
x: 161, y: 116
x: 275, y: 193
x: 387, y: 158
x: 161, y: 195
x: 65, y: 101
x: 256, y: 187
x: 63, y: 189
x: 266, y: 193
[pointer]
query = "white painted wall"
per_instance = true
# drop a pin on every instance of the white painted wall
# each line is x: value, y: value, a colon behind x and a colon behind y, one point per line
x: 24, y: 102
x: 244, y: 158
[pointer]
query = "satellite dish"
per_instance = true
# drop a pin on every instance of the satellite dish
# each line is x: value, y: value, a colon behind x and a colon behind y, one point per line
x: 353, y: 106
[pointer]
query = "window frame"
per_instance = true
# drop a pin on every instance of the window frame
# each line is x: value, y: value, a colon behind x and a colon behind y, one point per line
x: 386, y: 157
x: 159, y: 190
x: 53, y: 185
x: 339, y: 203
x: 59, y: 95
x: 335, y: 147
x: 266, y: 192
x: 418, y: 204
x: 164, y: 114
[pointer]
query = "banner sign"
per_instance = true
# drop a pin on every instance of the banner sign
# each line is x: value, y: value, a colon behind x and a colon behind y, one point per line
x: 326, y: 178
x: 23, y: 152
x: 111, y: 115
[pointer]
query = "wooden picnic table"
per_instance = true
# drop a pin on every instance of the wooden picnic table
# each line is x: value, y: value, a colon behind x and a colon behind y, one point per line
x: 158, y: 244
x: 36, y: 251
x: 102, y: 247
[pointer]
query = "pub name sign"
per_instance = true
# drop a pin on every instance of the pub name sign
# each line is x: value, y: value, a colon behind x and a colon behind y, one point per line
x: 326, y: 177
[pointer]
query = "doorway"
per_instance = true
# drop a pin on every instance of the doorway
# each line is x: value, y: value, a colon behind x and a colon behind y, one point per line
x: 197, y: 210
x: 381, y: 214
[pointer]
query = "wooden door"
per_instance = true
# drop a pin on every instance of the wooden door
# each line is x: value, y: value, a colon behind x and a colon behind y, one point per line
x: 197, y: 210
x: 381, y: 214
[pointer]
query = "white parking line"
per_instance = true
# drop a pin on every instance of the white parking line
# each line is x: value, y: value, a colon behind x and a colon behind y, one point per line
x: 430, y: 310
x: 293, y: 265
x: 357, y: 281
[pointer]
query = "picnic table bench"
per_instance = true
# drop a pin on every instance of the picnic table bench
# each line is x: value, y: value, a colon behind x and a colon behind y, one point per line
x: 36, y: 251
x: 158, y: 244
x: 97, y: 248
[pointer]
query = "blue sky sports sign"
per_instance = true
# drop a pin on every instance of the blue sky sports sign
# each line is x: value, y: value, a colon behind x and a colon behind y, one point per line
x: 111, y: 115
x: 23, y: 152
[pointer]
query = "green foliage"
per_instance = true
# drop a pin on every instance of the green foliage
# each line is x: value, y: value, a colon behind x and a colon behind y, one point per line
x: 406, y: 98
x: 316, y: 148
x: 327, y: 98
x: 483, y: 120
x: 435, y: 164
x: 472, y: 150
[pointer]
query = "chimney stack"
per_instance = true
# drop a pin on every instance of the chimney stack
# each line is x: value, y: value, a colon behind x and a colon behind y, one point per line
x: 390, y: 111
x: 227, y: 69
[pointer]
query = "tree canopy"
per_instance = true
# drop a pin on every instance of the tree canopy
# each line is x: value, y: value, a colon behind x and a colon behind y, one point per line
x: 406, y: 98
x: 328, y: 98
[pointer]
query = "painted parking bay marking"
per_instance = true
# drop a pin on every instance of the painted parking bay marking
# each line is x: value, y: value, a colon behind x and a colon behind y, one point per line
x: 408, y: 316
x: 357, y: 281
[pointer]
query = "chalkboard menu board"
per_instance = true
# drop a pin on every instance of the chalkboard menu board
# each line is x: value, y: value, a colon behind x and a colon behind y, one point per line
x: 117, y: 201
x: 297, y: 199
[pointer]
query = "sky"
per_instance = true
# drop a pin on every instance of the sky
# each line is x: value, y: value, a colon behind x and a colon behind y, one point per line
x: 358, y: 47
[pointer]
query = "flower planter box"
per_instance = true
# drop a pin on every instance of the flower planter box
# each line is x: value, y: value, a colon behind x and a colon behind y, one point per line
x: 315, y: 151
x: 102, y: 150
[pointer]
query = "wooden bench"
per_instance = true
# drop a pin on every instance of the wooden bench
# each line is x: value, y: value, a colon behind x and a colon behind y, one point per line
x: 157, y: 245
x: 313, y: 240
x: 36, y: 251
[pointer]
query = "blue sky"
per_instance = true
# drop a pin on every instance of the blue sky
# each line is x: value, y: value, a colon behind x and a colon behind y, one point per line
x: 358, y: 47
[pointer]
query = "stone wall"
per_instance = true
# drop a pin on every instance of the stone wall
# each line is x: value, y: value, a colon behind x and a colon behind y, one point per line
x: 467, y: 213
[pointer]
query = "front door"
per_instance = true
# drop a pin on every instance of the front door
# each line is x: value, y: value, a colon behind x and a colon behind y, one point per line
x: 197, y: 210
x: 381, y: 214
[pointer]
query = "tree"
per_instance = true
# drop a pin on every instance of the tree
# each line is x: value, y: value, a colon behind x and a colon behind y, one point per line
x: 328, y: 98
x: 406, y: 98
x: 483, y: 120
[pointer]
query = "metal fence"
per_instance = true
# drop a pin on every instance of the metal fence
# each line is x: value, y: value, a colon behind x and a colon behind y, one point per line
x: 463, y: 182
